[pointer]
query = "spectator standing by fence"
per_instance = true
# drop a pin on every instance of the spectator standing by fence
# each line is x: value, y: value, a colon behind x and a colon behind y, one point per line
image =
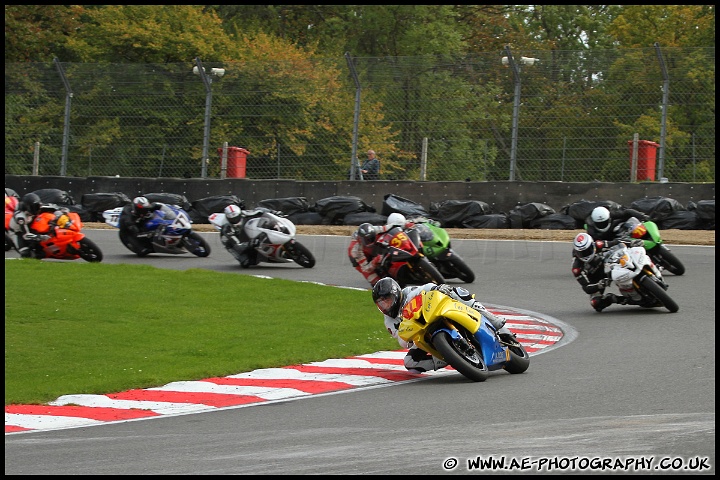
x: 371, y: 167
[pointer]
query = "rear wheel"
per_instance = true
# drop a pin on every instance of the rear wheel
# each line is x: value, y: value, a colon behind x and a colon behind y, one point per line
x: 427, y: 271
x: 197, y: 245
x: 460, y: 269
x: 300, y: 254
x: 660, y: 294
x: 89, y: 251
x: 462, y: 356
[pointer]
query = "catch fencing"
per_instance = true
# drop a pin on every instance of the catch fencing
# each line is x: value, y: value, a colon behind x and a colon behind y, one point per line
x: 619, y: 115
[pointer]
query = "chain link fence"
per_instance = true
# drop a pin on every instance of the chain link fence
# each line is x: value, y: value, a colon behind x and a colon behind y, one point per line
x: 607, y: 115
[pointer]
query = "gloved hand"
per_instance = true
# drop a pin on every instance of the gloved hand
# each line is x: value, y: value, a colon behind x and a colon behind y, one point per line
x: 636, y: 242
x: 603, y: 283
x: 62, y: 221
x: 378, y: 261
x: 444, y: 288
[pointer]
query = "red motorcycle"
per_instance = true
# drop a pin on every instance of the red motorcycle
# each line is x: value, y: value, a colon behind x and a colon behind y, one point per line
x: 61, y: 237
x: 403, y: 259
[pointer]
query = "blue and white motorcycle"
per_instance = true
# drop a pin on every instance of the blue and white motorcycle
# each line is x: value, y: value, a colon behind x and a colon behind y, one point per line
x: 169, y: 230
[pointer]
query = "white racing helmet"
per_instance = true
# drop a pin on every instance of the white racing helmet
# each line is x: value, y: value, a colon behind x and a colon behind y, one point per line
x: 396, y: 220
x: 583, y: 247
x: 601, y: 218
x: 233, y: 213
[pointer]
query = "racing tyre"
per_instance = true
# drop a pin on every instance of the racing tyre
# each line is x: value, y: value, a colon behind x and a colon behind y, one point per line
x: 300, y: 254
x: 426, y: 270
x: 460, y: 268
x: 197, y: 245
x: 519, y: 358
x: 89, y: 251
x: 660, y: 294
x: 462, y: 356
x: 666, y: 259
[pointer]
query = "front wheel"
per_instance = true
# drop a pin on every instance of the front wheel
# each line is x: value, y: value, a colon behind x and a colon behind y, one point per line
x: 462, y: 356
x: 197, y: 245
x: 300, y: 254
x: 660, y: 294
x: 519, y: 359
x: 666, y: 259
x: 89, y: 251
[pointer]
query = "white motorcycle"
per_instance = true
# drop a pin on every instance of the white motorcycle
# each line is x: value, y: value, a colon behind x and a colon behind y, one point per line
x: 273, y: 237
x: 637, y: 277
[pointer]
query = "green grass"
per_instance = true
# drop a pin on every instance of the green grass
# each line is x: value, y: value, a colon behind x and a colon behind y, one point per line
x: 100, y: 328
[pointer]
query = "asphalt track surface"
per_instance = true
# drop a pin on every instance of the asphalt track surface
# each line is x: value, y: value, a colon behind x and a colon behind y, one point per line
x: 629, y: 390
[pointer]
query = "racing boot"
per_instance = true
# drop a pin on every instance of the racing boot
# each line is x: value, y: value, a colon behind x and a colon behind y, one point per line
x: 419, y: 361
x: 600, y: 303
x: 240, y: 252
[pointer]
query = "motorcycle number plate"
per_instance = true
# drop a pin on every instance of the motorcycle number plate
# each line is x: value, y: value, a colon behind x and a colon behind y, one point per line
x: 398, y: 240
x: 413, y: 309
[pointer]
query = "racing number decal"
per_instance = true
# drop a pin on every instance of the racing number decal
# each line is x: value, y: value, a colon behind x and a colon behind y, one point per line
x: 412, y: 307
x: 398, y: 240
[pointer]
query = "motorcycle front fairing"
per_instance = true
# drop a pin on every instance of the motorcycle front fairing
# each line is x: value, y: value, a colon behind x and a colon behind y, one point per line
x: 434, y: 241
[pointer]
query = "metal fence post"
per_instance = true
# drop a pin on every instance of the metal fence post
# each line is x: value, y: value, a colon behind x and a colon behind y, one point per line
x: 663, y: 122
x: 66, y: 128
x: 354, y: 167
x: 516, y: 113
x: 199, y: 70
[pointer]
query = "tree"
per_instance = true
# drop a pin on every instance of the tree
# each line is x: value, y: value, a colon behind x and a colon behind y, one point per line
x: 36, y: 33
x: 639, y: 26
x: 149, y: 34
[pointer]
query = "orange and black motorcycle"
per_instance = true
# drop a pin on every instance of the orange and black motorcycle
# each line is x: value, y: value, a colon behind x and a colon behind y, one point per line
x: 60, y: 236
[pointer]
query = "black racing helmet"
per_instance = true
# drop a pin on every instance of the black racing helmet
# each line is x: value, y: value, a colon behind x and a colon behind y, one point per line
x: 143, y: 207
x: 30, y: 203
x: 366, y: 233
x: 388, y: 296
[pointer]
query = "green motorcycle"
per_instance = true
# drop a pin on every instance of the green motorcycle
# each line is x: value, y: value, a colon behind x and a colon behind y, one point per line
x: 437, y: 248
x: 649, y: 233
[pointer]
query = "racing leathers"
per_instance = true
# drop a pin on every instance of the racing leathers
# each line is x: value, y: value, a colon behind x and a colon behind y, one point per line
x: 132, y: 224
x: 236, y: 240
x: 27, y: 238
x: 365, y: 258
x: 593, y: 279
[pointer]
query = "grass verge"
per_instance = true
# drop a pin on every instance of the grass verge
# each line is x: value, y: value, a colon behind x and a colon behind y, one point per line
x: 73, y: 328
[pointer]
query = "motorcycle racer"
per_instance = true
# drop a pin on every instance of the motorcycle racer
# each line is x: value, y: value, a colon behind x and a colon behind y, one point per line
x: 391, y: 299
x: 601, y: 224
x: 27, y: 239
x: 233, y: 234
x: 588, y: 268
x: 132, y: 221
x: 362, y: 254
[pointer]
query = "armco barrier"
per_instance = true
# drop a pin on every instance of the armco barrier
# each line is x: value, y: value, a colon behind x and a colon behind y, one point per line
x: 501, y: 196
